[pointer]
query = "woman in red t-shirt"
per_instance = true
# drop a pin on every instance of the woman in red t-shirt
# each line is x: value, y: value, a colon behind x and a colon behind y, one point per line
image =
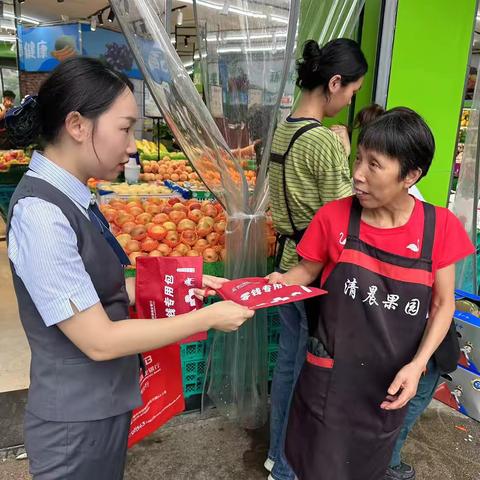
x: 387, y: 261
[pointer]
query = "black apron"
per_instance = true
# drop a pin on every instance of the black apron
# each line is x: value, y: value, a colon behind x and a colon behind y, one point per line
x: 370, y: 325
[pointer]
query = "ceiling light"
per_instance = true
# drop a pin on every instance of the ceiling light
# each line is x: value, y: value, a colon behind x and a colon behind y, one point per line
x: 100, y: 18
x: 93, y: 24
x: 179, y: 18
x: 22, y: 18
x: 111, y: 16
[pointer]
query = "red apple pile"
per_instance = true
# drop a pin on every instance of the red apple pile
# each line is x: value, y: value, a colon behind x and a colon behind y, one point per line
x: 158, y: 227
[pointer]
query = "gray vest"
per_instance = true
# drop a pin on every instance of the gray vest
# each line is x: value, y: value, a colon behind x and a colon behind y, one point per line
x: 66, y: 385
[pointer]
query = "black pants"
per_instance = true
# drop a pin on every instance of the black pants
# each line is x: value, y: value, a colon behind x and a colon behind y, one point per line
x: 94, y: 450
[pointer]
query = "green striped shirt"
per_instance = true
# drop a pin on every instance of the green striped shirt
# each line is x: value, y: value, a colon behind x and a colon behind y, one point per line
x: 317, y: 172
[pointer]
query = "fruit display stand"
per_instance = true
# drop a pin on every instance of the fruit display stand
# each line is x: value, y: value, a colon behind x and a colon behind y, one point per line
x: 155, y: 225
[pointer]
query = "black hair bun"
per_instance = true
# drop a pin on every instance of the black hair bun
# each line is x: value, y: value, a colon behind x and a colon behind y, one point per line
x: 311, y: 50
x: 23, y: 122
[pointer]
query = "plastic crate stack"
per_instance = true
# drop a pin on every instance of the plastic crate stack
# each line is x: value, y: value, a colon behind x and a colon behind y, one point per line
x: 194, y: 357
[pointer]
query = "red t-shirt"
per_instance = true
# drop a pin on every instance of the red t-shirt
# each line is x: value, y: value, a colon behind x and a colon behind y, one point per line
x: 325, y: 237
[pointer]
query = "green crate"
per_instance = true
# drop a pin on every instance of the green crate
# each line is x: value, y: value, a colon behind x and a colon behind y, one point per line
x: 272, y: 361
x: 6, y: 192
x: 193, y: 351
x: 193, y: 376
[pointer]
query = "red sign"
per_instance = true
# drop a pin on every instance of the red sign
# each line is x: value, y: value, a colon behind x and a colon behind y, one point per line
x: 256, y: 292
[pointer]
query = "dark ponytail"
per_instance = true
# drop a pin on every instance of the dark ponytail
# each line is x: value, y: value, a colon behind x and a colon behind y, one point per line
x: 341, y: 56
x: 80, y: 84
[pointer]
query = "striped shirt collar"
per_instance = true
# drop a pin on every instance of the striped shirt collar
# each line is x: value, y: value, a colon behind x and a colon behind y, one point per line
x: 43, y: 168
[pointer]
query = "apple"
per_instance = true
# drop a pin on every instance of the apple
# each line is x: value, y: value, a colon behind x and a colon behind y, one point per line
x: 133, y: 257
x: 204, y: 227
x: 160, y: 218
x: 135, y: 210
x: 212, y: 238
x: 182, y: 248
x: 157, y: 232
x: 127, y: 227
x: 170, y: 226
x: 220, y: 226
x: 123, y: 217
x: 195, y: 215
x: 132, y: 246
x: 186, y: 224
x: 117, y: 204
x: 180, y: 207
x: 134, y: 203
x: 123, y: 239
x: 149, y: 244
x: 221, y: 239
x: 200, y: 245
x: 209, y: 210
x: 115, y: 230
x: 164, y: 249
x: 153, y: 209
x: 175, y: 253
x: 139, y: 232
x: 177, y: 215
x: 172, y: 239
x: 210, y: 255
x: 155, y: 253
x: 143, y: 218
x: 109, y: 214
x: 194, y: 205
x: 172, y: 201
x: 223, y: 254
x: 193, y: 253
x: 189, y: 237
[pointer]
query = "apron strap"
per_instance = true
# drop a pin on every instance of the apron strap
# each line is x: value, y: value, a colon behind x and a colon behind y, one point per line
x: 429, y: 219
x: 428, y: 226
x: 355, y: 215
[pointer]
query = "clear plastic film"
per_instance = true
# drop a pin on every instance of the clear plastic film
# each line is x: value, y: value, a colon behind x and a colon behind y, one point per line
x: 243, y: 47
x: 465, y: 204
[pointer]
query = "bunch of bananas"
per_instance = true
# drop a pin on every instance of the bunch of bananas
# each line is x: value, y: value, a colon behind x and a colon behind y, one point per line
x: 150, y: 148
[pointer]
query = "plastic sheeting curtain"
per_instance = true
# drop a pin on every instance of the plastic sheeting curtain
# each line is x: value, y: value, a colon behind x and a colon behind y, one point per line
x: 465, y: 204
x: 239, y: 379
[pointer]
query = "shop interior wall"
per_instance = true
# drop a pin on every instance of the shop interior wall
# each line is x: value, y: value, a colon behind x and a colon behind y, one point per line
x: 430, y: 57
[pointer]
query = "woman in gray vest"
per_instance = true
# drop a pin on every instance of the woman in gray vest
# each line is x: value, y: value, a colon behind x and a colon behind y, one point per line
x: 69, y: 279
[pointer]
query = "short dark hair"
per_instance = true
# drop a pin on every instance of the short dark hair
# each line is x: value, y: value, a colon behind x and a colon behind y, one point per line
x: 80, y: 84
x: 403, y: 134
x: 341, y: 56
x: 8, y: 94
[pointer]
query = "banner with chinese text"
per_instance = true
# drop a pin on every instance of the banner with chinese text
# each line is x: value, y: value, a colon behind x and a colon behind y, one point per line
x: 41, y: 49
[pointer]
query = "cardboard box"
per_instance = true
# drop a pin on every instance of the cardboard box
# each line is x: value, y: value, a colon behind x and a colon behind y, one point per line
x: 460, y: 390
